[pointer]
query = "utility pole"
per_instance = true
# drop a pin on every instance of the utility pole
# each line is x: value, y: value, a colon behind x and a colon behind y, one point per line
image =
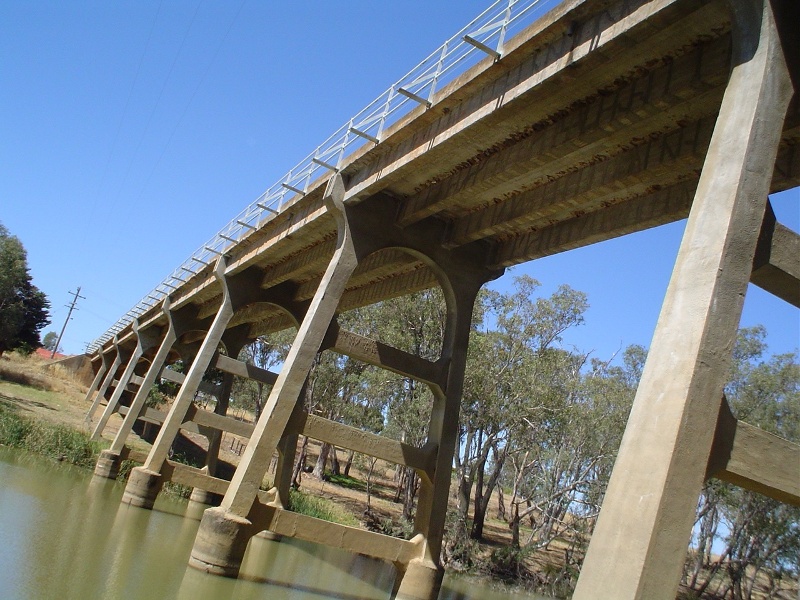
x: 71, y: 307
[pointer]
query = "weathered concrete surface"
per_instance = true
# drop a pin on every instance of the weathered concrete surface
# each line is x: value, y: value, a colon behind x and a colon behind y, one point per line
x: 754, y: 459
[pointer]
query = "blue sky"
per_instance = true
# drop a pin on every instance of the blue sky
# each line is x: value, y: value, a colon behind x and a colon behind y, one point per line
x: 131, y: 132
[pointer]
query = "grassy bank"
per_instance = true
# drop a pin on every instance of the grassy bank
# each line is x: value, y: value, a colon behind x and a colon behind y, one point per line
x: 58, y: 442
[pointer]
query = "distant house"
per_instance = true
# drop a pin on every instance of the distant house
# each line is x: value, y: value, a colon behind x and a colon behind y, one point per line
x: 45, y: 353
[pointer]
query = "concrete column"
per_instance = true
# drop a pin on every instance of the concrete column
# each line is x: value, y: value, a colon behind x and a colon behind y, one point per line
x: 200, y: 496
x: 145, y: 482
x: 224, y: 531
x: 640, y: 542
x: 108, y: 462
x: 143, y: 343
x: 421, y: 579
x: 101, y: 392
x: 105, y: 361
x: 233, y: 340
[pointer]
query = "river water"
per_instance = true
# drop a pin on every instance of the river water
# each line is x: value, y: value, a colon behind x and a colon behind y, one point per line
x: 65, y: 536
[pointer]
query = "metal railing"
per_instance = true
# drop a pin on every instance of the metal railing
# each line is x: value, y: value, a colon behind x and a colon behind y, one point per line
x: 483, y: 36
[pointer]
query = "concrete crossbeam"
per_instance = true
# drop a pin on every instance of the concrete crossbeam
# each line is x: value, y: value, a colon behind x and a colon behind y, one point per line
x: 242, y: 369
x: 291, y: 524
x: 193, y: 477
x: 755, y: 459
x: 381, y: 355
x: 776, y: 266
x: 364, y: 442
x: 221, y: 423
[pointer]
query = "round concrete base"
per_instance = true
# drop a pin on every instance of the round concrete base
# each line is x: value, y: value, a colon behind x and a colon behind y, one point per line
x: 108, y: 464
x: 142, y: 488
x: 205, y: 497
x: 421, y: 581
x: 220, y: 543
x: 269, y: 535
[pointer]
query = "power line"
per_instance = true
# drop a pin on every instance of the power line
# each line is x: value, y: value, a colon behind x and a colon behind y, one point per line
x: 71, y: 307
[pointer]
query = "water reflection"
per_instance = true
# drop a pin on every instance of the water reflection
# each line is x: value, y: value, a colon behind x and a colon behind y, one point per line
x: 64, y: 535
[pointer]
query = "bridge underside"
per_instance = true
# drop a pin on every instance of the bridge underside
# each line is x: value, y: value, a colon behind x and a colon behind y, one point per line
x: 602, y: 119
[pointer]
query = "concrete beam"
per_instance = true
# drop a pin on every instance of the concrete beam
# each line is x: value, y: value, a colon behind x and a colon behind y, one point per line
x: 776, y: 266
x: 754, y: 459
x: 381, y: 355
x: 242, y: 369
x: 325, y: 430
x: 179, y: 378
x: 193, y: 477
x: 222, y: 423
x: 657, y: 208
x: 351, y: 539
x: 591, y: 130
x: 656, y: 163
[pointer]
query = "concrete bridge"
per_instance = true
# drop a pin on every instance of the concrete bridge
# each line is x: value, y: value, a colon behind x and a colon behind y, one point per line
x: 599, y: 119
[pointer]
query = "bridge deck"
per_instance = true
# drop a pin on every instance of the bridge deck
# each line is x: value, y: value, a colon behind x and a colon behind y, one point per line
x: 593, y: 124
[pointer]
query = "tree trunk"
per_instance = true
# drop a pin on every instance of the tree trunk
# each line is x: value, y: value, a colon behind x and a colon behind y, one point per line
x: 335, y: 468
x: 514, y: 526
x: 409, y: 494
x: 349, y: 464
x: 322, y: 461
x: 300, y: 465
x: 483, y: 491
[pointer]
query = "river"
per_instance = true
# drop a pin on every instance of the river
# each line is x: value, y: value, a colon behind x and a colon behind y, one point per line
x: 65, y: 536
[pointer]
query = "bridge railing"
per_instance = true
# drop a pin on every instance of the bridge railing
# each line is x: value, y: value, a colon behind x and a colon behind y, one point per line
x: 484, y: 35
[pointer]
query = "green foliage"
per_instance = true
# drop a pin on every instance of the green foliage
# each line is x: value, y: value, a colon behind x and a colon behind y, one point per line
x: 155, y: 398
x: 55, y: 441
x: 348, y: 482
x: 319, y: 508
x: 265, y: 352
x: 177, y: 489
x: 49, y: 340
x: 23, y: 307
x: 507, y: 563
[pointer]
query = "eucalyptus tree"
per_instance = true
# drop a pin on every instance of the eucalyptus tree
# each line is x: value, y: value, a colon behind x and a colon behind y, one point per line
x: 265, y: 352
x: 509, y: 362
